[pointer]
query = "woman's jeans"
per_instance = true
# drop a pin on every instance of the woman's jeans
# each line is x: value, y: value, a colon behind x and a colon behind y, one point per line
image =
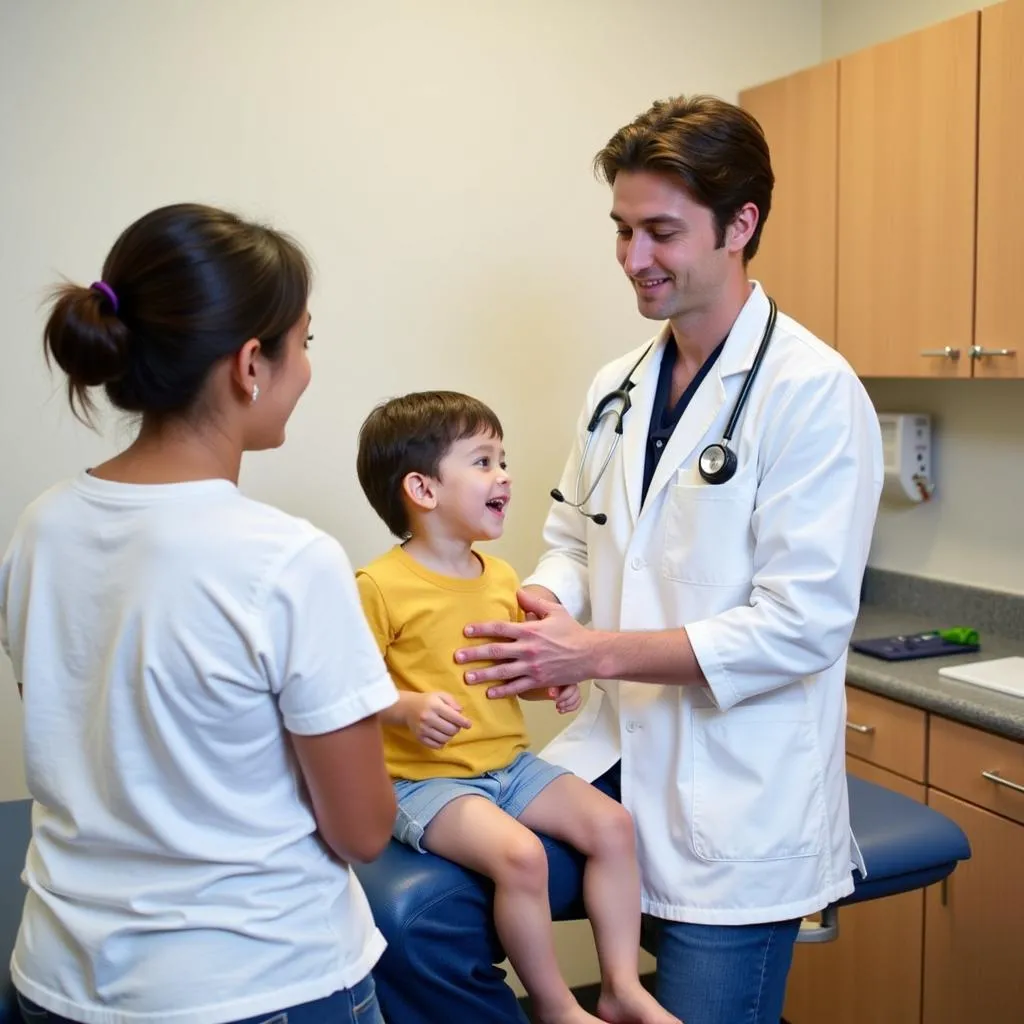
x: 356, y: 1005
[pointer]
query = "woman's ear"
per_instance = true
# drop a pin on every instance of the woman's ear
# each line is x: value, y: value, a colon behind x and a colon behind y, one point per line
x: 421, y: 490
x: 245, y: 369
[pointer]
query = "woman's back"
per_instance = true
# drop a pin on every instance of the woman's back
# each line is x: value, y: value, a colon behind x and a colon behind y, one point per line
x: 156, y: 631
x: 200, y: 686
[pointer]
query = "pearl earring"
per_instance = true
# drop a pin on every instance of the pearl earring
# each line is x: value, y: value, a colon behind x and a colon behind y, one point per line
x: 255, y: 392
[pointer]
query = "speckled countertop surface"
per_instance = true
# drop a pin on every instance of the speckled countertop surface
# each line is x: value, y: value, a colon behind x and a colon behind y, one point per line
x: 918, y: 682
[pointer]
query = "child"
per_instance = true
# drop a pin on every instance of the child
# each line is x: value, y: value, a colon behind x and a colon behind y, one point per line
x: 433, y: 467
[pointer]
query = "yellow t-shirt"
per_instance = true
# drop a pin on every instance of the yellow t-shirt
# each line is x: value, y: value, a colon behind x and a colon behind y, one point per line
x: 418, y: 617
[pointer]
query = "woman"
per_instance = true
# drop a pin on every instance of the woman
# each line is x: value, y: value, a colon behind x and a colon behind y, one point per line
x: 200, y: 686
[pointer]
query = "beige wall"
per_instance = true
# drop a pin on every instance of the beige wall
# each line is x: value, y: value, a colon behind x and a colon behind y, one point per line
x: 972, y: 531
x: 433, y: 157
x: 848, y: 25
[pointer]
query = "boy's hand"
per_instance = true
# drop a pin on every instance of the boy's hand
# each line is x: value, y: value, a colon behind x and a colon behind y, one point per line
x: 434, y: 718
x: 567, y: 698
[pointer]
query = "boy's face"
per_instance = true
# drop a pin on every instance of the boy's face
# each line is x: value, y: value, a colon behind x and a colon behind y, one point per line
x: 473, y: 489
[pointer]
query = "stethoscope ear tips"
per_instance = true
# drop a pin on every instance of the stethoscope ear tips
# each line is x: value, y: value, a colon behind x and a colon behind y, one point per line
x: 717, y: 464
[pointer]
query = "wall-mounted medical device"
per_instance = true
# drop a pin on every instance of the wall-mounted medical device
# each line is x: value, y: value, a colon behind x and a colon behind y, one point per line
x: 907, y: 456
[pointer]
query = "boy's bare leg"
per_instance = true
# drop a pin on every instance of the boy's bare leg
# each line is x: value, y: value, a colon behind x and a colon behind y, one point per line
x: 473, y: 832
x: 571, y: 809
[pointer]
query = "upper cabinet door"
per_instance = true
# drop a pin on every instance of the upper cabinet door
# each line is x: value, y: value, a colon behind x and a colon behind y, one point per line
x: 796, y: 261
x: 907, y: 189
x: 998, y: 325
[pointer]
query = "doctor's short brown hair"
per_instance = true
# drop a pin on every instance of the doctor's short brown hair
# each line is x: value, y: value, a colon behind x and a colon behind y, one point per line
x: 715, y: 150
x: 412, y: 434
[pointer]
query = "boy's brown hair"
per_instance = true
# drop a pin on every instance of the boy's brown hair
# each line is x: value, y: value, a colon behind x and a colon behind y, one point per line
x: 412, y: 434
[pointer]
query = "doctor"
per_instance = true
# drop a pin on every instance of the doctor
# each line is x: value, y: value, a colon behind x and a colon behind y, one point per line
x: 719, y: 570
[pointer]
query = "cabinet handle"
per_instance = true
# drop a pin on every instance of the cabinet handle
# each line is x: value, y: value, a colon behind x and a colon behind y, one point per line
x: 1000, y: 781
x: 864, y: 730
x: 943, y: 353
x: 979, y: 351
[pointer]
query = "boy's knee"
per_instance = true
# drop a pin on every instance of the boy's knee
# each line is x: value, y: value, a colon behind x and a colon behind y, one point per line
x: 612, y: 832
x: 523, y: 862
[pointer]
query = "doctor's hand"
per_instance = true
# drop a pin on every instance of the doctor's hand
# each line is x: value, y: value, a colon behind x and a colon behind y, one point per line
x: 433, y: 718
x: 550, y: 650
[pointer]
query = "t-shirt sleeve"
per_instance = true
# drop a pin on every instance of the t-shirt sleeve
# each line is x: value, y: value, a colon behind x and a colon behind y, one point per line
x: 324, y: 664
x: 375, y: 609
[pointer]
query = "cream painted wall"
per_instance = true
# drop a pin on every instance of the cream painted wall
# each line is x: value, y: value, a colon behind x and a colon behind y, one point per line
x: 434, y: 159
x: 848, y: 25
x: 972, y: 531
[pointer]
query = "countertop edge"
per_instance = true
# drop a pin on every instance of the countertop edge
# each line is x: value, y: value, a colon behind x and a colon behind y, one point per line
x: 973, y: 713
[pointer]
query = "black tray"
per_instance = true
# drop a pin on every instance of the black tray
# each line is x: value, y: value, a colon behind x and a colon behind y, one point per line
x: 911, y: 646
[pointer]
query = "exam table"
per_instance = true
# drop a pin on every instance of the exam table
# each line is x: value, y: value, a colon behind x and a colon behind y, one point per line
x: 436, y: 916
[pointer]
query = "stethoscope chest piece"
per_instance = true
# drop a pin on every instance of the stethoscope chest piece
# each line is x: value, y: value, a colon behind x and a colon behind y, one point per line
x: 717, y: 464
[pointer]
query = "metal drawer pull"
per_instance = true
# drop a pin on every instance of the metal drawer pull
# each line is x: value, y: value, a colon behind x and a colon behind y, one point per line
x: 864, y: 730
x: 1000, y: 781
x: 943, y: 353
x: 979, y: 351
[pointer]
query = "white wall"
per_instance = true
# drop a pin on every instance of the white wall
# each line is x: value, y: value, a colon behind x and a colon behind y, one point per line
x: 433, y: 157
x: 971, y: 532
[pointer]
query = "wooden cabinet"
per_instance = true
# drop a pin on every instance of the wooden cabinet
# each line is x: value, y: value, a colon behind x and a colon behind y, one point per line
x: 907, y: 188
x: 898, y: 213
x: 974, y: 956
x: 796, y: 260
x: 998, y: 325
x: 885, y: 733
x: 872, y: 972
x: 951, y: 953
x: 978, y: 767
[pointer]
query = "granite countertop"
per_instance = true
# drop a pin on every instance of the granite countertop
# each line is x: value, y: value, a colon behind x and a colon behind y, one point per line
x: 918, y: 683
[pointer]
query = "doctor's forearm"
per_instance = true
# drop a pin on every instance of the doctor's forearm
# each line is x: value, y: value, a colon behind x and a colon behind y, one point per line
x: 662, y: 656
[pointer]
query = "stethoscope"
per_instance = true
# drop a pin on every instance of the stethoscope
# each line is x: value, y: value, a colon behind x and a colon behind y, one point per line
x: 717, y: 463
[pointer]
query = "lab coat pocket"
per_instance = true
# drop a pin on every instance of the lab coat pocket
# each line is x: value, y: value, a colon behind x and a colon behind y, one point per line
x: 708, y: 535
x: 757, y: 789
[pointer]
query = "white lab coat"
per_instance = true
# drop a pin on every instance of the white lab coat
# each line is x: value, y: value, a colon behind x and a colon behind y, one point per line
x: 737, y: 788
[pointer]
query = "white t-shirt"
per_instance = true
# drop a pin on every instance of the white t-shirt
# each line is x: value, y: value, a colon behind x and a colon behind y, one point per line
x: 166, y: 637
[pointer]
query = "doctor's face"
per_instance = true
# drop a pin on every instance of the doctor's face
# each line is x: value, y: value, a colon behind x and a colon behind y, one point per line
x: 668, y: 246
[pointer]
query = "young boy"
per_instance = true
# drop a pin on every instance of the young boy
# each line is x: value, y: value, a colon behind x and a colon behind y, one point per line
x: 433, y: 467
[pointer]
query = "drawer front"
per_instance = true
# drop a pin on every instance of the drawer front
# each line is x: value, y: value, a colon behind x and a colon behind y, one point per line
x: 976, y: 766
x: 886, y: 733
x: 890, y: 780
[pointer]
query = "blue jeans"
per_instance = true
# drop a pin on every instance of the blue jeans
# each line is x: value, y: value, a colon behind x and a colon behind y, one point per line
x: 355, y: 1005
x: 724, y: 974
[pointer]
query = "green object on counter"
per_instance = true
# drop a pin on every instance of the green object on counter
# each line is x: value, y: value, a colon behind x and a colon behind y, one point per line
x: 960, y: 635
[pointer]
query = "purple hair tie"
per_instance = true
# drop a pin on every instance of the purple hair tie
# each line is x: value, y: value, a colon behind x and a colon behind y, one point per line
x: 102, y: 286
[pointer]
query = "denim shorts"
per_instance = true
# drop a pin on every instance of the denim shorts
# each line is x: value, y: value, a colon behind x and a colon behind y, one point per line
x: 511, y: 789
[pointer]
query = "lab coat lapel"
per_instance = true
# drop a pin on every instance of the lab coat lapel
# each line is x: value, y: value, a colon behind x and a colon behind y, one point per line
x: 636, y: 423
x: 690, y: 432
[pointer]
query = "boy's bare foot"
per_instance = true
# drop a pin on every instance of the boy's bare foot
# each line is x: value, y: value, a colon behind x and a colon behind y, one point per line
x: 570, y: 1013
x: 632, y: 1004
